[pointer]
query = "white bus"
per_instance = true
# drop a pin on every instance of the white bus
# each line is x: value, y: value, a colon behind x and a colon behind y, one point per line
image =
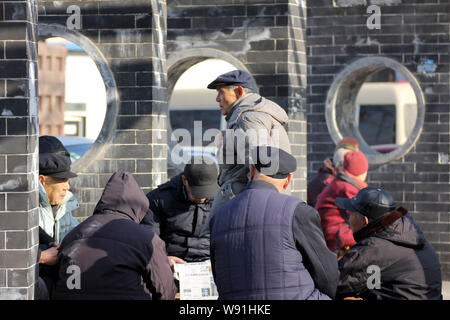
x: 386, y: 113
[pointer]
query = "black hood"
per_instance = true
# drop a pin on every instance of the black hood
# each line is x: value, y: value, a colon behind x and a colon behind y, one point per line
x: 123, y: 195
x: 398, y: 227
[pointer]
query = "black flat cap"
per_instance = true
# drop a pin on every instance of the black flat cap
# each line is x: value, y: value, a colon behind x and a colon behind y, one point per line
x: 373, y: 203
x: 202, y: 178
x: 233, y: 78
x: 51, y: 144
x: 273, y: 162
x: 55, y: 165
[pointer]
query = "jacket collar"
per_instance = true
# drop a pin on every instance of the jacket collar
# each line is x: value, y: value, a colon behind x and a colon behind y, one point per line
x: 260, y: 184
x: 380, y: 224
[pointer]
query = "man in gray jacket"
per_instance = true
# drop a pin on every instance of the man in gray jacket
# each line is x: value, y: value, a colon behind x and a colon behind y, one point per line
x: 251, y: 120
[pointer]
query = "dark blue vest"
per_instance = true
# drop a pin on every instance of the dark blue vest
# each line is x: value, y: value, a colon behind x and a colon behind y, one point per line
x: 254, y: 251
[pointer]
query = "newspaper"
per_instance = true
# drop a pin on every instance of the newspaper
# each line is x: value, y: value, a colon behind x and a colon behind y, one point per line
x: 196, y: 281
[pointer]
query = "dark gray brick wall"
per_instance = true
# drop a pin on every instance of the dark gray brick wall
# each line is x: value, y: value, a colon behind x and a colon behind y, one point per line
x: 131, y: 37
x: 267, y: 37
x: 337, y: 36
x: 18, y: 145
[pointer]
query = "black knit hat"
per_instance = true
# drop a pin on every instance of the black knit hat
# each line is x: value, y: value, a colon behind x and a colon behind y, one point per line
x: 373, y: 203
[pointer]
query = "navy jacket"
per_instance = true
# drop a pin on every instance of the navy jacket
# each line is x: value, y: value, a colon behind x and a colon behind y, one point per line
x: 267, y: 245
x: 178, y: 221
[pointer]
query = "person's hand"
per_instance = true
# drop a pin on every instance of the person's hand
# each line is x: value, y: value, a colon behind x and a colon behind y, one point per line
x: 54, y: 244
x: 173, y: 260
x: 49, y: 256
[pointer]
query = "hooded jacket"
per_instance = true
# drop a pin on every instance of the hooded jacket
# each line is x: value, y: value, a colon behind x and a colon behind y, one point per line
x: 262, y: 121
x: 409, y: 267
x: 117, y: 257
x: 63, y: 222
x: 178, y: 221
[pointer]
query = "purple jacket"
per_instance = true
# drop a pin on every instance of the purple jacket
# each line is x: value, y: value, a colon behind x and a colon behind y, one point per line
x: 267, y: 245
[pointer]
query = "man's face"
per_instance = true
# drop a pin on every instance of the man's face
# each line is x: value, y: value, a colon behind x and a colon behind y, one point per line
x: 226, y: 97
x: 356, y: 221
x: 55, y: 188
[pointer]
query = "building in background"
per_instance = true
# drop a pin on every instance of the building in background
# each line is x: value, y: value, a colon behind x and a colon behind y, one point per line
x: 52, y: 77
x: 72, y: 95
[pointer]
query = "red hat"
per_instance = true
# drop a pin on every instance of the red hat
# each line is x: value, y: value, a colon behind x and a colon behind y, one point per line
x: 348, y: 143
x: 355, y: 162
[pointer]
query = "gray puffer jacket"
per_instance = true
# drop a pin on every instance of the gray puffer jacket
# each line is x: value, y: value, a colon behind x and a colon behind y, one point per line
x: 252, y: 121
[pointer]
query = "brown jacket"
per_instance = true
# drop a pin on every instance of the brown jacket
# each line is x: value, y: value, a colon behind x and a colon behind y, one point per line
x: 117, y: 257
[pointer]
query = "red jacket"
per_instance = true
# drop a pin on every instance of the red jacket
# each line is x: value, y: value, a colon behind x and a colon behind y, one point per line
x: 334, y: 221
x: 325, y: 175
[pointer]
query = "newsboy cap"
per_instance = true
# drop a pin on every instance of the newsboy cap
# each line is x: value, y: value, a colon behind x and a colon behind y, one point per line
x: 233, y: 78
x: 373, y: 203
x: 51, y: 144
x: 273, y: 162
x: 55, y: 165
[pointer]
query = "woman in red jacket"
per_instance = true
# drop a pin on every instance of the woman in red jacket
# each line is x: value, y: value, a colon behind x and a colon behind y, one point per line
x: 349, y: 180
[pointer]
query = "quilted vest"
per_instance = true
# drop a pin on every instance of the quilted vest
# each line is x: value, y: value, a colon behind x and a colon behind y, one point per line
x: 254, y: 251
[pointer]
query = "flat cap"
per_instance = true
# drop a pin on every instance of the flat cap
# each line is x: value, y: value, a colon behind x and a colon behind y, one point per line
x: 55, y: 165
x: 233, y: 78
x: 51, y: 144
x: 273, y: 162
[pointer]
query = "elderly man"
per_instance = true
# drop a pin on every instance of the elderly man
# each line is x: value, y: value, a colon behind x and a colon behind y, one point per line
x: 268, y: 245
x: 179, y: 208
x: 251, y: 120
x: 56, y: 204
x: 389, y: 240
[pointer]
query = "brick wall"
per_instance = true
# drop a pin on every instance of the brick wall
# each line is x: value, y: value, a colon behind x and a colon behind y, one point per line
x: 410, y: 32
x: 130, y: 40
x: 18, y: 144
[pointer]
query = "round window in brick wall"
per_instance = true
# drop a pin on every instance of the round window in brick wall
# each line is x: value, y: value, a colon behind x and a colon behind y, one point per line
x: 78, y: 99
x: 379, y: 102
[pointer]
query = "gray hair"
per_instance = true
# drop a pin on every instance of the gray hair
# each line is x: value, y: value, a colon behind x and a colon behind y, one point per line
x: 246, y: 90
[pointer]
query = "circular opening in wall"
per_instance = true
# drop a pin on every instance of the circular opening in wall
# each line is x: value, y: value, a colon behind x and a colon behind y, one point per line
x: 78, y: 100
x: 379, y: 102
x: 72, y: 96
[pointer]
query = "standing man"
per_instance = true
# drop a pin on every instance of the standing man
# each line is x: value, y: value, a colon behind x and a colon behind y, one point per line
x: 268, y: 245
x: 251, y: 120
x: 180, y: 207
x: 389, y: 240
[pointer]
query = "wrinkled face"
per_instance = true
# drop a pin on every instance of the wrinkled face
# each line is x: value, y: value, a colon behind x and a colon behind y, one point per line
x: 226, y: 96
x: 55, y: 188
